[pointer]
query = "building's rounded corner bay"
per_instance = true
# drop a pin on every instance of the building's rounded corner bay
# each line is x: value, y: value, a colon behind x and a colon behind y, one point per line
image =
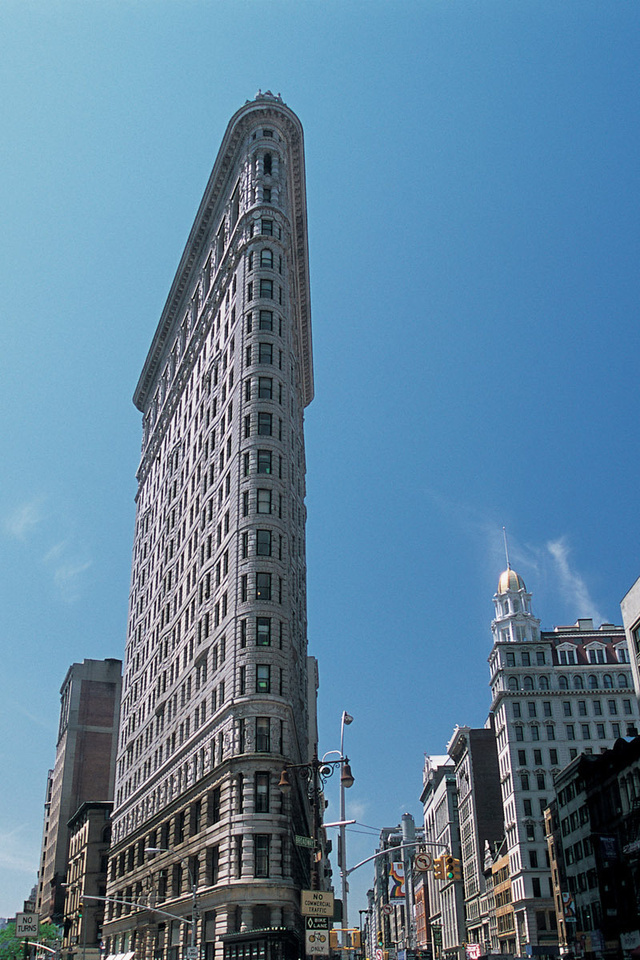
x: 216, y: 691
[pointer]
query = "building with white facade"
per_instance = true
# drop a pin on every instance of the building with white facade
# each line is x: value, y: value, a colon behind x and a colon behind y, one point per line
x: 555, y: 694
x: 217, y: 697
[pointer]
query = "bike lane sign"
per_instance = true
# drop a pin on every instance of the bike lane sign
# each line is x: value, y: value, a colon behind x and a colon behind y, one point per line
x: 316, y: 935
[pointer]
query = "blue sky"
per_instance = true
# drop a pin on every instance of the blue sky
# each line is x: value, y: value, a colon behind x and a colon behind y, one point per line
x: 473, y: 179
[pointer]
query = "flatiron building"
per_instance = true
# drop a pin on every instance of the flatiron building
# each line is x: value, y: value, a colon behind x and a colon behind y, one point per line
x: 218, y: 691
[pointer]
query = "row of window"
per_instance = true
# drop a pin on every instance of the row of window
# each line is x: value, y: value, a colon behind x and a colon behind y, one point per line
x: 570, y: 731
x: 568, y: 708
x: 592, y: 683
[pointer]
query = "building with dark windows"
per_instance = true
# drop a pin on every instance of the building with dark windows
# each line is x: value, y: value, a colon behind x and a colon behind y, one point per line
x: 555, y: 694
x: 593, y: 833
x: 218, y: 693
x: 84, y: 769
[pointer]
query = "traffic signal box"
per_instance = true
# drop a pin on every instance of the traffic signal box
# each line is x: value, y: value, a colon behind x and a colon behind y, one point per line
x: 351, y: 939
x: 447, y: 868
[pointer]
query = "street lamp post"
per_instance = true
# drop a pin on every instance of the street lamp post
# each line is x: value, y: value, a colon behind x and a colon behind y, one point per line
x: 346, y: 720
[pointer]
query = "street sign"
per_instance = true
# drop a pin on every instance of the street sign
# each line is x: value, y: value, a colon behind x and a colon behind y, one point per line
x: 191, y: 953
x: 304, y: 841
x: 422, y: 861
x: 316, y: 903
x: 27, y: 924
x: 387, y: 909
x: 316, y: 936
x: 379, y: 954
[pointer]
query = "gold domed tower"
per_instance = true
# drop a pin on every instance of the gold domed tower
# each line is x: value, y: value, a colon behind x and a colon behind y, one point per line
x: 514, y: 619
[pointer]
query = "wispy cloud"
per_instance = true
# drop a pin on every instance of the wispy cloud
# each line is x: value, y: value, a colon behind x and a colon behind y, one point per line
x: 13, y: 855
x: 572, y: 583
x: 22, y: 521
x: 549, y: 562
x: 67, y: 576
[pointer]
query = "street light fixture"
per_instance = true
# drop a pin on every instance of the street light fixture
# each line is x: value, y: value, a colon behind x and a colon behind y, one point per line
x: 317, y: 772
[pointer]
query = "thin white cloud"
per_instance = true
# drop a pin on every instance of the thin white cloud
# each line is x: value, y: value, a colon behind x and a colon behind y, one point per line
x: 68, y: 578
x: 22, y: 521
x: 572, y: 583
x: 13, y: 855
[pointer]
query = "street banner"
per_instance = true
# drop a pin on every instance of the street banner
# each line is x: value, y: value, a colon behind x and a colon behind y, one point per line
x: 396, y: 881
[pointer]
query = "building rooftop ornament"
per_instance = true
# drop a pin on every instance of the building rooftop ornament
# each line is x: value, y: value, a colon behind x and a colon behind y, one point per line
x: 510, y: 580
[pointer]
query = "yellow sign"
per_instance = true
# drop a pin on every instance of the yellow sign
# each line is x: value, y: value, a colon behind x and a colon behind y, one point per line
x: 316, y: 903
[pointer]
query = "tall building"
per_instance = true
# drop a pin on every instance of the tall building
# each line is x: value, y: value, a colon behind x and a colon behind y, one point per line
x: 218, y: 694
x: 439, y: 799
x: 555, y: 694
x: 481, y: 822
x: 84, y: 768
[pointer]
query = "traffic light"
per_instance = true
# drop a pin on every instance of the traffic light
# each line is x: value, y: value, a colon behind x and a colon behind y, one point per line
x: 452, y: 868
x: 380, y: 937
x: 438, y: 868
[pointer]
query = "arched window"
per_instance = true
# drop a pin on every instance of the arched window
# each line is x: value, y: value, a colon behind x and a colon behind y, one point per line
x: 578, y: 682
x: 527, y: 683
x: 622, y: 680
x: 544, y: 683
x: 593, y: 682
x: 266, y: 257
x: 513, y: 683
x: 607, y: 681
x: 563, y: 683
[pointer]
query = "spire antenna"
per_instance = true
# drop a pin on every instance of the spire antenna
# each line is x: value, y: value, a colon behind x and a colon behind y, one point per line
x: 506, y: 548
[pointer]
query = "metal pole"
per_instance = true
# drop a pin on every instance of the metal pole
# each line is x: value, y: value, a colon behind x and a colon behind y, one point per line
x: 346, y: 719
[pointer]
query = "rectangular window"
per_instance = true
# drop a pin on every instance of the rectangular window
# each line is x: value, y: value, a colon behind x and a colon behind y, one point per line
x: 263, y: 631
x: 540, y: 778
x: 244, y: 545
x: 266, y: 320
x: 615, y: 727
x: 626, y: 705
x: 526, y: 804
x: 597, y: 708
x: 519, y: 733
x: 535, y: 732
x: 262, y: 793
x: 522, y: 758
x: 243, y: 587
x: 600, y: 731
x: 553, y: 757
x: 243, y: 633
x: 263, y: 502
x: 265, y: 388
x: 265, y: 423
x: 261, y: 853
x: 540, y: 658
x: 516, y: 710
x: 586, y: 732
x: 263, y: 543
x: 537, y: 758
x: 242, y: 681
x: 266, y: 227
x: 551, y: 733
x: 566, y: 706
x: 263, y: 586
x: 250, y: 290
x: 263, y: 735
x: 245, y: 504
x: 265, y: 353
x: 613, y: 707
x: 582, y: 708
x: 264, y: 461
x: 247, y: 426
x: 266, y: 289
x: 532, y: 708
x: 571, y: 733
x: 263, y: 678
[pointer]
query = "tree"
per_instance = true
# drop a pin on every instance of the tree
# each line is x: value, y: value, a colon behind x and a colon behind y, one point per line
x: 12, y: 948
